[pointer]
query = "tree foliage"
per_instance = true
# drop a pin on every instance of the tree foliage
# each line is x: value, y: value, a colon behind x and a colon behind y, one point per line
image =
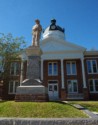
x: 10, y: 48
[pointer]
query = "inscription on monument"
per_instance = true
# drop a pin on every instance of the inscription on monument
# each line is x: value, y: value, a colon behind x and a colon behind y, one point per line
x: 33, y: 67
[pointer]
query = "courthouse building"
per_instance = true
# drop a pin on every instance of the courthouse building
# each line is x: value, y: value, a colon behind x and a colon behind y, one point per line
x: 69, y: 71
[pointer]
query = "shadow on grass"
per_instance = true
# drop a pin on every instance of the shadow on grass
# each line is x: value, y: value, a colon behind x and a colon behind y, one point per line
x: 3, y: 101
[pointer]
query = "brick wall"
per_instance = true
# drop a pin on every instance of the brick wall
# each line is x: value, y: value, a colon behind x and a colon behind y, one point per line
x: 46, y: 77
x: 6, y: 95
x: 77, y: 77
x: 92, y: 96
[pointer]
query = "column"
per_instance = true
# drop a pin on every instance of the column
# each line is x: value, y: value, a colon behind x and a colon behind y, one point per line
x: 21, y: 75
x: 83, y: 73
x: 41, y: 69
x: 62, y: 73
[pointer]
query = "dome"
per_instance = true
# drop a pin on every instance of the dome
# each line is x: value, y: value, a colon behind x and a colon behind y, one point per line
x: 54, y: 31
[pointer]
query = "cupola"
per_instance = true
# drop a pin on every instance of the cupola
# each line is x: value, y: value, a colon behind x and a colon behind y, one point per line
x: 54, y: 31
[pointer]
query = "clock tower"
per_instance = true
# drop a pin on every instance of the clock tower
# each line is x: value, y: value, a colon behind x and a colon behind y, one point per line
x: 53, y: 26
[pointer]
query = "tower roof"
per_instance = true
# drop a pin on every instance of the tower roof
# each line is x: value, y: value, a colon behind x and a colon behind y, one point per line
x: 54, y: 30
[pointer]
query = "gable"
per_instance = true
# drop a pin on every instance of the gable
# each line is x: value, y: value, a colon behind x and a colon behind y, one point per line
x: 58, y: 45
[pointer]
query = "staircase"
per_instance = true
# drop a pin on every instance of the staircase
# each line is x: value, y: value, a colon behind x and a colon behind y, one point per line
x: 75, y: 96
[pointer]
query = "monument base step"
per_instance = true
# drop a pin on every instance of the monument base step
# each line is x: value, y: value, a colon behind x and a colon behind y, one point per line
x: 31, y: 98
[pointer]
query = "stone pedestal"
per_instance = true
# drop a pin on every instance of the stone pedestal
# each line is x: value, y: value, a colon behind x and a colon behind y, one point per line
x: 31, y: 98
x: 35, y: 93
x: 33, y: 63
x: 33, y: 67
x: 31, y: 88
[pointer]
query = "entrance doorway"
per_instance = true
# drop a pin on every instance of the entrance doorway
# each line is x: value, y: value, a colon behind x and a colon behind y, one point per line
x: 53, y: 90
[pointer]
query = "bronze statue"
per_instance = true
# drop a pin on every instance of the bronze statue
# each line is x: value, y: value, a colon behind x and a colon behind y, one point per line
x: 36, y: 31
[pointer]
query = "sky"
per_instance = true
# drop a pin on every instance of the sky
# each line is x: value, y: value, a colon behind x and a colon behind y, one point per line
x: 78, y: 17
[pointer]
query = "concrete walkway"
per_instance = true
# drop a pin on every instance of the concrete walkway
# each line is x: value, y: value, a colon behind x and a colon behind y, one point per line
x: 86, y: 111
x: 89, y: 113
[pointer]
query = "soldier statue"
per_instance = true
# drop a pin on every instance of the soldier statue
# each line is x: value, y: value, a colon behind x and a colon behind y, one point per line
x: 36, y: 31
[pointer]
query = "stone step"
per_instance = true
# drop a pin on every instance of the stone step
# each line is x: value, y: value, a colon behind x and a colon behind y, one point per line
x: 76, y: 96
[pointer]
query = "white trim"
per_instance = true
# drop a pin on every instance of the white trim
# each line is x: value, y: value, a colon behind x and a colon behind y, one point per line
x: 61, y: 56
x: 62, y: 52
x: 93, y: 80
x: 71, y: 67
x: 83, y: 73
x: 56, y: 34
x: 14, y: 68
x: 63, y: 42
x: 52, y: 69
x: 53, y: 95
x: 62, y: 74
x: 53, y: 85
x: 13, y: 82
x: 21, y: 75
x: 59, y: 49
x: 92, y: 72
x: 91, y: 57
x: 72, y: 81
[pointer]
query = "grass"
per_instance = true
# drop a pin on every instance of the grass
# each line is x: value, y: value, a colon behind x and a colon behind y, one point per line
x: 91, y: 105
x: 39, y: 110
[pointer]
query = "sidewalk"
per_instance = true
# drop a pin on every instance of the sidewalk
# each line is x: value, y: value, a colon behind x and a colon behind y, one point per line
x: 86, y: 111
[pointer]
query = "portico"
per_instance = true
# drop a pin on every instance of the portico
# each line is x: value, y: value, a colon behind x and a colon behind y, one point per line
x: 56, y: 49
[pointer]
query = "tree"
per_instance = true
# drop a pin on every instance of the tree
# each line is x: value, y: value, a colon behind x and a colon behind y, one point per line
x: 10, y: 48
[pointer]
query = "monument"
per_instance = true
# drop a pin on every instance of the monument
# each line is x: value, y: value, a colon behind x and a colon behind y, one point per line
x: 31, y: 89
x: 36, y: 31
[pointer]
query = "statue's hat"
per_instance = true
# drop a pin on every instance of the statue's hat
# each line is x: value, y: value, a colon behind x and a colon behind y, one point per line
x: 37, y: 20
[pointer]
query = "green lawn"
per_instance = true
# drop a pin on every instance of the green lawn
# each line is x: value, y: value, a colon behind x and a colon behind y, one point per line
x: 40, y: 110
x: 91, y: 105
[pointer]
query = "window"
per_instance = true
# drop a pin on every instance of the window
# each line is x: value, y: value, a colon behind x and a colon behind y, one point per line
x: 13, y: 86
x: 15, y: 68
x: 93, y: 85
x: 91, y: 66
x: 71, y: 68
x: 53, y: 85
x: 72, y: 86
x: 52, y: 69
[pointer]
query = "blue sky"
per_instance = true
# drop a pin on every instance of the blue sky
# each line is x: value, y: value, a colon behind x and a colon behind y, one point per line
x: 78, y: 17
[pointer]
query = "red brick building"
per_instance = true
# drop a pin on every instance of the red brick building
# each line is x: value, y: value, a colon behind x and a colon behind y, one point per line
x: 67, y: 70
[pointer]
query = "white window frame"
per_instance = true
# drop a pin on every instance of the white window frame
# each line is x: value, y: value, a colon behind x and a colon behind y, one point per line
x: 72, y: 85
x: 91, y: 62
x: 14, y: 74
x: 14, y: 82
x: 52, y: 83
x: 71, y: 67
x: 52, y: 69
x: 93, y: 86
